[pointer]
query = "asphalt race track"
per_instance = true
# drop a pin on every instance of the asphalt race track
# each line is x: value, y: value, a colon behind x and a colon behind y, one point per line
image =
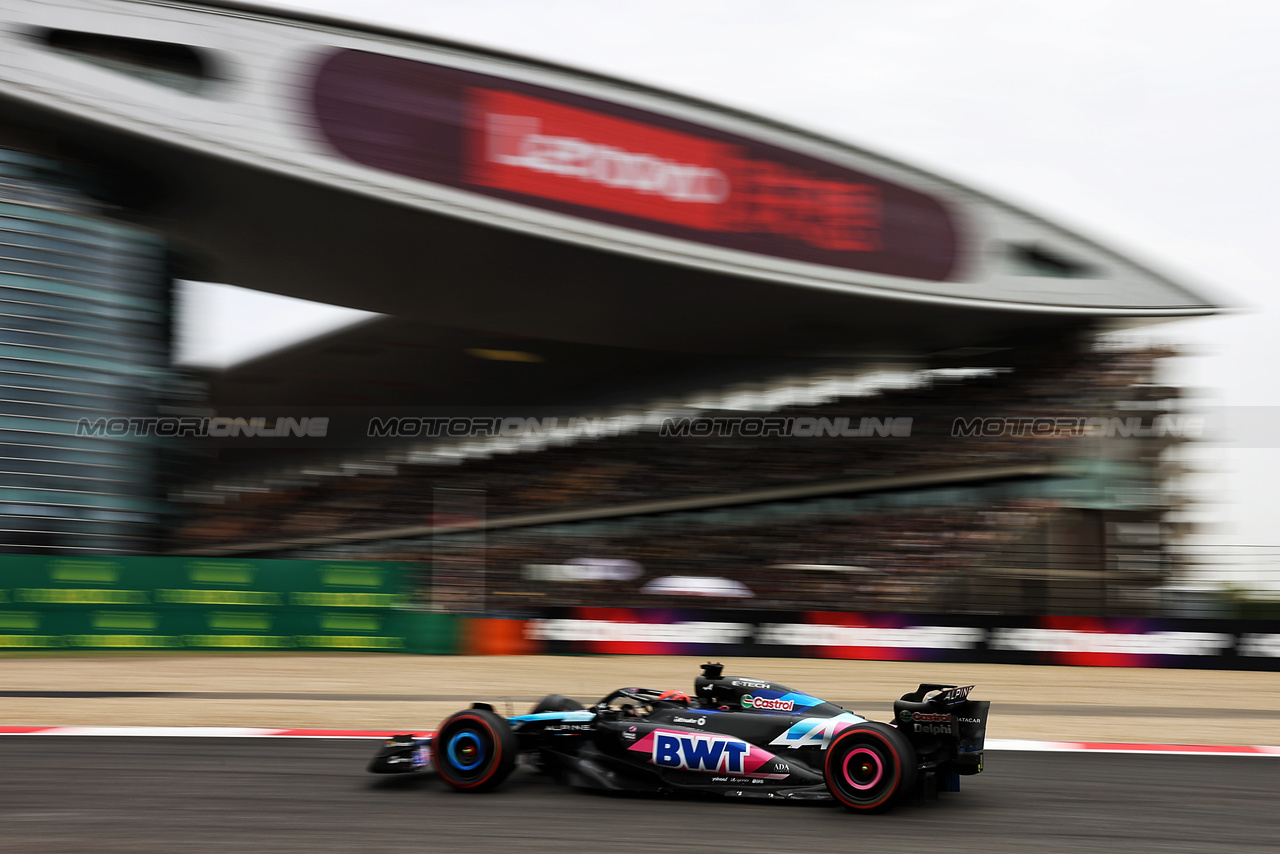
x: 111, y: 794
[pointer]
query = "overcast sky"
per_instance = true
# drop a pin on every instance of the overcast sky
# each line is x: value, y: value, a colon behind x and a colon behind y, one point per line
x: 1150, y: 126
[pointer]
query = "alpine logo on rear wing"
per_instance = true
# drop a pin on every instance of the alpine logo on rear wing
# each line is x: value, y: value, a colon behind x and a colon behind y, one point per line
x: 952, y: 696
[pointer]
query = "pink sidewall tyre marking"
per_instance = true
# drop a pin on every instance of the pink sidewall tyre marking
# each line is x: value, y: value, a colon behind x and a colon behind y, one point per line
x: 872, y: 759
x: 865, y: 767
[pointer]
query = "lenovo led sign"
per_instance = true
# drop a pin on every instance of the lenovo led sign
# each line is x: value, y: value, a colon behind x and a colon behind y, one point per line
x: 613, y: 164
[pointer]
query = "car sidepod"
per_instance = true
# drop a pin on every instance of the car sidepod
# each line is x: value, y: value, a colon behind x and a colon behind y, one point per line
x: 690, y: 758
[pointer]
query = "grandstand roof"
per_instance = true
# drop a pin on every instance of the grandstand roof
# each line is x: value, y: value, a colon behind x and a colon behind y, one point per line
x: 388, y: 361
x: 476, y: 195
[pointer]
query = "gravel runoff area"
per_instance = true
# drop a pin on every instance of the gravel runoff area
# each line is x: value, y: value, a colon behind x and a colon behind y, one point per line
x: 404, y: 693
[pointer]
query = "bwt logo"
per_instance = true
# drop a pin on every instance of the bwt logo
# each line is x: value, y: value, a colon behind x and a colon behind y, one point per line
x: 802, y: 427
x: 700, y: 753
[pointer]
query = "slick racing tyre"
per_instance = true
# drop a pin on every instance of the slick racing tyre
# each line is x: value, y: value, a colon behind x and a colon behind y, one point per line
x: 474, y: 750
x: 556, y: 703
x: 868, y: 765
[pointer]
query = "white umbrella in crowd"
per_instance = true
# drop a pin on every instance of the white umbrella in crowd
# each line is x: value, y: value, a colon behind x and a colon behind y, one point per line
x: 698, y: 585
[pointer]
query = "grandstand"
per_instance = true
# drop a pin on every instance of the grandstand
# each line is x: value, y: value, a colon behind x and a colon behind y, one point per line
x: 924, y: 520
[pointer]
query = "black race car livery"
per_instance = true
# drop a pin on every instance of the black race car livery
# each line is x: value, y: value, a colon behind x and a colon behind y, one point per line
x: 735, y: 737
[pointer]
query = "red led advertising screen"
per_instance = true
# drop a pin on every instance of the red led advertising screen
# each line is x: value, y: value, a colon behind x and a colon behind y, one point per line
x: 613, y: 164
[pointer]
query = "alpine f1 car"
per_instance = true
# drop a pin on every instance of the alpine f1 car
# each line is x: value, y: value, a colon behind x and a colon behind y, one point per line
x: 736, y: 737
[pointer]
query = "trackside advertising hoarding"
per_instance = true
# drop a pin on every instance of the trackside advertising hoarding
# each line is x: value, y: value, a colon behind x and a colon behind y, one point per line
x: 1088, y: 641
x: 614, y: 164
x: 49, y: 603
x: 198, y: 603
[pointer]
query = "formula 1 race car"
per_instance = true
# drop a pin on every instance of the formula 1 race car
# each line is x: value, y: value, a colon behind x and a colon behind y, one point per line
x: 735, y: 737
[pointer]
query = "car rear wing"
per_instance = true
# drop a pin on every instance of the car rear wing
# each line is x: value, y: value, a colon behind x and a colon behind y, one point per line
x: 942, y: 721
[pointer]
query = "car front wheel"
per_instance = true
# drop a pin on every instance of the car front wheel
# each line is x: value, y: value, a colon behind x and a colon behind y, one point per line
x: 474, y: 750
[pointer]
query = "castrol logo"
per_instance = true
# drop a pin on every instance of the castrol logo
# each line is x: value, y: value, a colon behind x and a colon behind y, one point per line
x: 927, y: 717
x: 772, y: 705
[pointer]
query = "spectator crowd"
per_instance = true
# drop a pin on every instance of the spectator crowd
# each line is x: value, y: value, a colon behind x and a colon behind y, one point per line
x: 910, y: 558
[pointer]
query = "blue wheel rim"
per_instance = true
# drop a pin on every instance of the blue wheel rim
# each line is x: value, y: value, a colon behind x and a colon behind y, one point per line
x: 465, y: 751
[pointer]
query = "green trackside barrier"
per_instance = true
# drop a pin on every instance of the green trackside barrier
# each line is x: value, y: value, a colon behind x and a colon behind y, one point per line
x: 37, y: 580
x: 428, y: 633
x: 199, y: 603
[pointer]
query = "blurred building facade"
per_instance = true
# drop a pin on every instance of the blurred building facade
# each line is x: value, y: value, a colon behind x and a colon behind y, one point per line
x: 84, y: 327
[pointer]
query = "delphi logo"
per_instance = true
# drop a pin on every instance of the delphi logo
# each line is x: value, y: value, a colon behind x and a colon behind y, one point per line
x: 932, y: 723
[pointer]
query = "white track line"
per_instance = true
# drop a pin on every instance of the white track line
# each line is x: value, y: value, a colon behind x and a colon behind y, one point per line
x: 1126, y: 747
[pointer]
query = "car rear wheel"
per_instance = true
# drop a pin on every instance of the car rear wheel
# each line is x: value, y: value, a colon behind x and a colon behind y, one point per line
x: 868, y: 765
x: 474, y: 750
